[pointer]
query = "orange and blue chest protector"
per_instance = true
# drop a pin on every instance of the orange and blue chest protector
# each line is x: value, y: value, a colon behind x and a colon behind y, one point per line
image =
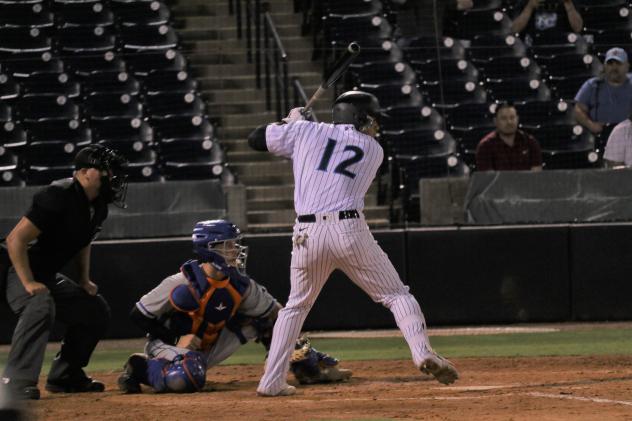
x: 204, y: 305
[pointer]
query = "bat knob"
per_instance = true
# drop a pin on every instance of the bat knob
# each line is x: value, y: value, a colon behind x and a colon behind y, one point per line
x: 353, y: 48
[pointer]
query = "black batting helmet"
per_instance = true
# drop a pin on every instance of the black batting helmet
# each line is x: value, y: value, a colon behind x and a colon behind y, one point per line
x: 353, y: 107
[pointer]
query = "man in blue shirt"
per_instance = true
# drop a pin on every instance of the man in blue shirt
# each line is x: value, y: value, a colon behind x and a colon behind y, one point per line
x: 606, y: 100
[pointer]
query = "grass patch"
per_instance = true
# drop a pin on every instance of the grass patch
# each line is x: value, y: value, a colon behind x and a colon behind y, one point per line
x: 583, y: 342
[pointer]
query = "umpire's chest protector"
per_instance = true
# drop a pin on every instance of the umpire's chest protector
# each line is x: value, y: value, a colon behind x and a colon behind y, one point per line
x: 204, y: 305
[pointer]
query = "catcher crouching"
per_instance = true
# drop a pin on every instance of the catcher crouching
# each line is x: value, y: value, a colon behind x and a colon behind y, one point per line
x: 197, y: 318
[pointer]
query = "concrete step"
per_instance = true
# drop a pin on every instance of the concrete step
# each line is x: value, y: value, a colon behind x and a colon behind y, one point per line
x: 253, y: 120
x: 235, y: 138
x: 261, y: 169
x: 220, y: 108
x: 266, y: 180
x: 232, y: 57
x: 250, y: 155
x: 294, y: 68
x: 270, y: 204
x: 285, y: 191
x: 228, y: 30
x: 202, y: 46
x: 288, y: 215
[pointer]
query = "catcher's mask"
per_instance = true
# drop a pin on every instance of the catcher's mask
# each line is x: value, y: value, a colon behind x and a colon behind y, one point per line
x: 113, y: 181
x: 220, y: 238
x: 359, y: 108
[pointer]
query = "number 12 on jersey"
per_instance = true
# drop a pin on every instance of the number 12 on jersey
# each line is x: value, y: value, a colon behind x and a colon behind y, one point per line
x: 357, y: 155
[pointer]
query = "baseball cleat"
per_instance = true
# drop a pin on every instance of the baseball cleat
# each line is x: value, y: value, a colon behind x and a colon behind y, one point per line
x: 440, y: 368
x: 135, y: 371
x: 288, y: 390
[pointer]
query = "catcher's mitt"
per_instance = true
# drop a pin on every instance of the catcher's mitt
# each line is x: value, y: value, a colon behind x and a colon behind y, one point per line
x: 310, y: 366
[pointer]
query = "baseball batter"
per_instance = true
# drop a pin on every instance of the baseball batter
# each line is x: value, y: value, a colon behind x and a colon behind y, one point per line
x: 199, y: 317
x: 334, y: 165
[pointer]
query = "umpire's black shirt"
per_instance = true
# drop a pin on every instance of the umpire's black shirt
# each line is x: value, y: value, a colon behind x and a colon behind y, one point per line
x: 68, y: 222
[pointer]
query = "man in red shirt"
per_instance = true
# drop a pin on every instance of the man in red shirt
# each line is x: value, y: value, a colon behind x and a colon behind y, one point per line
x: 508, y: 148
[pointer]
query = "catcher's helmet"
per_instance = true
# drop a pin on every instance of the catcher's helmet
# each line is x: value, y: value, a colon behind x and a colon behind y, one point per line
x: 219, y: 240
x: 354, y: 107
x: 114, y: 185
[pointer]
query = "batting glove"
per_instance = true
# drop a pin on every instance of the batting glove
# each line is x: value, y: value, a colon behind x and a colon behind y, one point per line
x: 296, y: 114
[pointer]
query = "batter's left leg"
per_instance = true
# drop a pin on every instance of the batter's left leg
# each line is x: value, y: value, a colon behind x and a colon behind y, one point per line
x: 311, y: 266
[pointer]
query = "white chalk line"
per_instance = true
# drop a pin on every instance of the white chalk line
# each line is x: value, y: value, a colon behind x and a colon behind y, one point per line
x: 577, y: 398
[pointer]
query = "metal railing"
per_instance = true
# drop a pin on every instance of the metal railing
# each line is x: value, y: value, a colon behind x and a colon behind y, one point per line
x: 265, y: 48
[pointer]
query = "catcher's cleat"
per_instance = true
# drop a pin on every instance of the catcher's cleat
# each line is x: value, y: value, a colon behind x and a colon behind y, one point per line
x: 135, y: 373
x: 440, y: 368
x: 288, y: 390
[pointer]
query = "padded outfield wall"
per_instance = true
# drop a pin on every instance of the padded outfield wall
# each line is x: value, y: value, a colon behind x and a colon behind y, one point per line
x: 506, y: 274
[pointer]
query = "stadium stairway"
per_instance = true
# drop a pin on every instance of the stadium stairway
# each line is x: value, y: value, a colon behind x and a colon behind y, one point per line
x: 218, y: 60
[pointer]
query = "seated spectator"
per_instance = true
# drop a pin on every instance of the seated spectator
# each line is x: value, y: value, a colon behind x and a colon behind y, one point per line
x: 606, y: 100
x: 427, y: 16
x: 507, y: 148
x: 619, y: 147
x: 536, y: 16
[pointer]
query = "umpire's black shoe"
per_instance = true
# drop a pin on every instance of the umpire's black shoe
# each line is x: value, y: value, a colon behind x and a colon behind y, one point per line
x: 135, y: 373
x: 75, y: 386
x: 17, y: 390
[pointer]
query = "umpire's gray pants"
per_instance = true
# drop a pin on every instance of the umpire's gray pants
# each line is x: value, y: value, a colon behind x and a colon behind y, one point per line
x: 36, y: 317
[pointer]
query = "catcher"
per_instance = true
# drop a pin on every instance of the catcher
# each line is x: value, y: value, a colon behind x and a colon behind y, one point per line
x: 199, y: 317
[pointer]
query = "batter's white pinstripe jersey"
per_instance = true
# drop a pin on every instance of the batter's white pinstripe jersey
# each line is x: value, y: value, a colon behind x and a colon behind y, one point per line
x: 334, y: 165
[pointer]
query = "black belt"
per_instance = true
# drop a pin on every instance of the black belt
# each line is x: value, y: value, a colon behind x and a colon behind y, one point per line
x: 347, y: 214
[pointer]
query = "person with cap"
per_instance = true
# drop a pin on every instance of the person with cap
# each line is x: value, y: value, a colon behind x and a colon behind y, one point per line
x: 606, y: 100
x: 60, y: 226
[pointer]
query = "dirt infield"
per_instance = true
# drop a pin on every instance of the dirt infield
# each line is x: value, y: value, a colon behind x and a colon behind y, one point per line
x: 551, y: 388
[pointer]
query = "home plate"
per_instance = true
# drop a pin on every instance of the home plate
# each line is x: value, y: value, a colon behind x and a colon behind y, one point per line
x: 473, y: 388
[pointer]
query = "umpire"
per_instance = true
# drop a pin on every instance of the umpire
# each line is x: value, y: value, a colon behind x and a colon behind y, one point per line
x: 60, y: 225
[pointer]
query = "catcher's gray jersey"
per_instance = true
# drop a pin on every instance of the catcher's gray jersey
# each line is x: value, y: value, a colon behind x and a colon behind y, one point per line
x: 256, y: 301
x: 333, y: 166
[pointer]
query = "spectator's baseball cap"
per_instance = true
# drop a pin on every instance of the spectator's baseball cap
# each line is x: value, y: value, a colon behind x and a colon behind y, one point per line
x: 617, y: 54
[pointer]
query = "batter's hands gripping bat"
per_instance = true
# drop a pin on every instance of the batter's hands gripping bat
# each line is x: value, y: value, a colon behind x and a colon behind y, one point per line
x: 335, y: 72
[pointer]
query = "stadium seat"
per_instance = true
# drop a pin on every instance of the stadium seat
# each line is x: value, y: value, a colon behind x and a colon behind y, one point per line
x: 534, y: 114
x: 142, y: 63
x: 47, y: 161
x: 518, y: 89
x: 25, y: 15
x: 352, y: 7
x: 424, y: 48
x: 469, y: 138
x: 169, y: 81
x: 9, y: 168
x: 54, y: 84
x: 12, y: 135
x: 25, y: 64
x: 121, y: 130
x: 550, y: 44
x: 411, y: 118
x: 83, y: 14
x: 566, y: 146
x: 147, y: 38
x: 605, y: 39
x: 18, y: 40
x: 445, y: 70
x: 508, y: 66
x: 112, y: 83
x: 202, y: 168
x: 485, y: 46
x: 470, y: 23
x: 86, y: 64
x: 167, y: 104
x: 35, y: 109
x: 112, y: 107
x: 395, y: 96
x: 86, y: 40
x: 378, y: 50
x: 420, y: 142
x: 452, y: 94
x: 606, y: 18
x: 9, y: 88
x: 342, y: 29
x: 179, y: 128
x: 384, y: 73
x: 144, y: 13
x: 73, y: 131
x: 467, y: 116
